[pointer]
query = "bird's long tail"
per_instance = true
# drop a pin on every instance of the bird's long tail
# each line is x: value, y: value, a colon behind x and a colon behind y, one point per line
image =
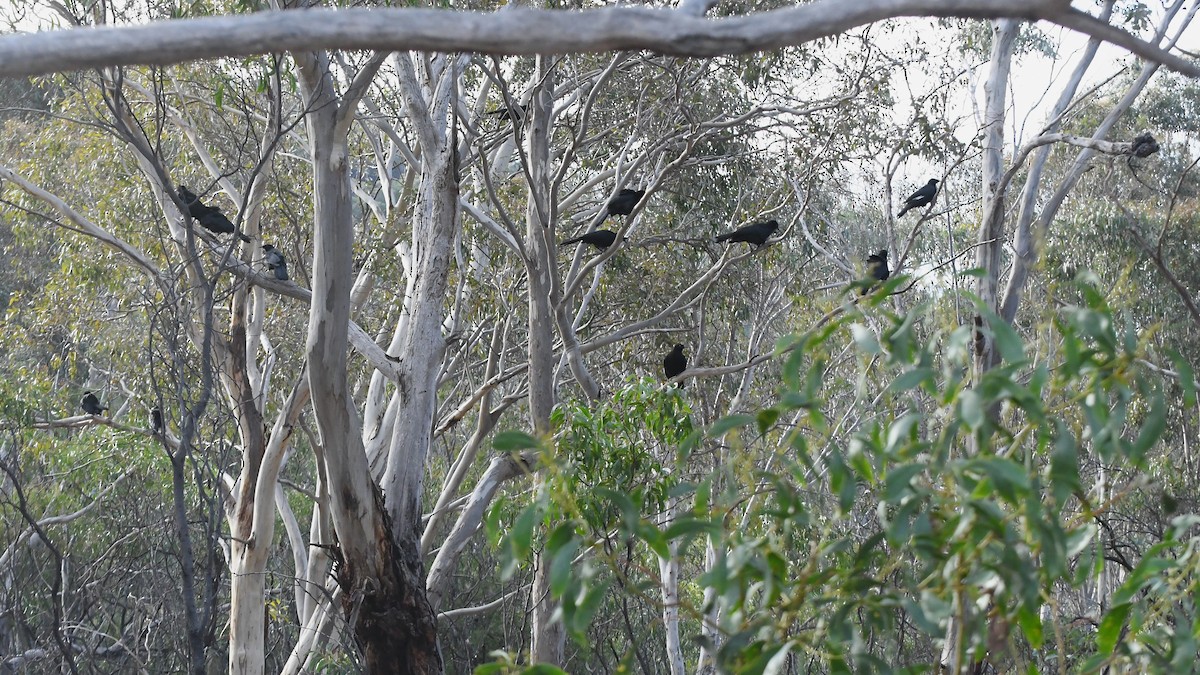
x: 571, y: 241
x: 903, y: 211
x: 244, y: 238
x: 723, y: 237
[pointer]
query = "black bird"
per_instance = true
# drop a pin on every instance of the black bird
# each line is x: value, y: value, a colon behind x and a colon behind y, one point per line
x: 601, y: 239
x: 209, y: 217
x: 877, y: 269
x: 755, y: 233
x: 920, y: 198
x: 675, y: 363
x: 275, y: 261
x: 516, y: 113
x: 195, y: 207
x: 91, y: 404
x: 156, y: 422
x: 623, y: 203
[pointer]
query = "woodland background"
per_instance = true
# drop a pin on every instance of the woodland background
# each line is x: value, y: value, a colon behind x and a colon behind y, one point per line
x: 447, y: 444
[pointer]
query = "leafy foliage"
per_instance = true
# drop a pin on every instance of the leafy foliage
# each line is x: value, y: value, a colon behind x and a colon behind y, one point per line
x: 958, y: 498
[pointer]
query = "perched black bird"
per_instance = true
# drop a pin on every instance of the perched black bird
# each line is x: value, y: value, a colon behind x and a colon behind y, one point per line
x: 623, y: 203
x: 754, y: 233
x: 920, y: 198
x: 209, y: 217
x: 156, y: 422
x: 195, y: 207
x: 275, y: 261
x: 216, y: 222
x: 601, y: 239
x: 91, y: 404
x: 877, y: 269
x: 675, y: 363
x: 516, y: 114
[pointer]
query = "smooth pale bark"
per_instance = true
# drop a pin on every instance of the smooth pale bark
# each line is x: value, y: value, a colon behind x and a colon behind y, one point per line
x: 519, y: 31
x: 991, y: 229
x: 1035, y: 229
x: 419, y: 343
x: 1023, y: 244
x: 499, y: 471
x: 422, y: 345
x: 710, y: 623
x: 248, y: 555
x: 668, y: 572
x: 392, y: 622
x: 547, y: 636
x: 991, y: 239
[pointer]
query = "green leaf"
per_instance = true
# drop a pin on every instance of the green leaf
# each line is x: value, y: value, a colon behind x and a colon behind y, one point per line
x: 1008, y: 343
x: 779, y: 660
x: 1146, y: 572
x: 586, y: 606
x: 970, y: 409
x: 563, y: 560
x: 621, y: 500
x: 900, y: 431
x: 899, y: 481
x: 841, y: 480
x: 766, y: 418
x: 690, y: 527
x: 725, y: 424
x: 911, y: 379
x: 653, y: 537
x: 1187, y: 378
x: 1031, y: 626
x: 519, y: 540
x: 1110, y: 628
x: 865, y: 339
x: 1064, y: 464
x: 1008, y: 477
x: 508, y: 441
x: 1152, y: 428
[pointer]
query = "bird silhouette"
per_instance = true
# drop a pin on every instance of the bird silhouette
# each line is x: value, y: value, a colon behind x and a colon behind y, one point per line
x: 516, y: 114
x: 675, y: 363
x: 209, y: 217
x: 920, y: 198
x: 275, y: 261
x: 601, y: 239
x: 156, y: 420
x: 755, y: 233
x: 877, y: 269
x: 91, y: 404
x: 623, y: 203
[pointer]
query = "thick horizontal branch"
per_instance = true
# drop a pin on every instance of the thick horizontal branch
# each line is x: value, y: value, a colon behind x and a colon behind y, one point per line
x: 513, y: 31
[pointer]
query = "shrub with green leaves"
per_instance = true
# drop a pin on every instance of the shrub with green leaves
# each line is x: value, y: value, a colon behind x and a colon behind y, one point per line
x: 955, y: 521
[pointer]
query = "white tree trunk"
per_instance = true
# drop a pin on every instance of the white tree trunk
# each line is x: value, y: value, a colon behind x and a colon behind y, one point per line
x: 710, y: 627
x: 991, y: 229
x: 548, y: 638
x: 668, y: 571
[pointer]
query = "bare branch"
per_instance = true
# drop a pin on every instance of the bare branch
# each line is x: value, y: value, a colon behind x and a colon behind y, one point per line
x: 515, y: 31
